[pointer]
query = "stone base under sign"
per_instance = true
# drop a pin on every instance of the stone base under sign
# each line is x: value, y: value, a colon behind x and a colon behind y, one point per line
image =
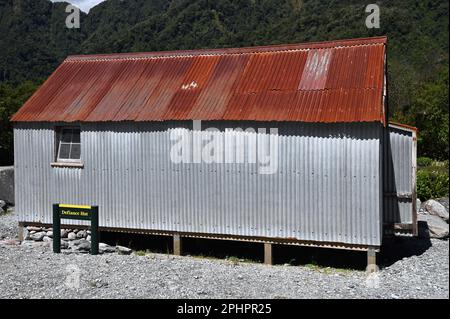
x: 72, y: 240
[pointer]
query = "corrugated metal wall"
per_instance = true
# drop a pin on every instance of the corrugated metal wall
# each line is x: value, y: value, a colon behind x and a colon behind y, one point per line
x: 398, y: 179
x: 327, y: 187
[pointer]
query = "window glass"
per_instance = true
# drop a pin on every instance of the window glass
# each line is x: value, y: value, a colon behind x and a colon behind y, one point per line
x: 75, y: 151
x: 66, y: 136
x: 76, y: 136
x: 64, y: 151
x: 69, y: 146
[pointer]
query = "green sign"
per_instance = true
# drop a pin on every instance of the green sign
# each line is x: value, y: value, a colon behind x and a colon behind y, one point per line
x: 75, y: 212
x: 80, y: 212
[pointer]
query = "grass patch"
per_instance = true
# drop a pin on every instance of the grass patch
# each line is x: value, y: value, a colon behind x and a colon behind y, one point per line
x: 236, y: 260
x: 327, y: 270
x: 141, y: 253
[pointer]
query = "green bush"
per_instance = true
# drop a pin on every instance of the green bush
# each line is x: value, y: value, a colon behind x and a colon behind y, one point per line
x: 432, y: 181
x: 424, y: 161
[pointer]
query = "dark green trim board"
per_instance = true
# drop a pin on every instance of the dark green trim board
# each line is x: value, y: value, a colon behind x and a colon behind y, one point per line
x: 56, y: 229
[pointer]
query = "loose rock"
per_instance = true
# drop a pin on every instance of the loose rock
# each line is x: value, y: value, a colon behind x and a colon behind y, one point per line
x: 444, y: 201
x: 436, y: 209
x: 84, y: 245
x: 437, y: 228
x: 47, y: 239
x: 123, y: 250
x: 75, y: 242
x: 64, y: 233
x: 37, y: 236
x: 34, y: 244
x: 64, y: 244
x: 105, y: 248
x: 72, y: 236
x: 81, y: 234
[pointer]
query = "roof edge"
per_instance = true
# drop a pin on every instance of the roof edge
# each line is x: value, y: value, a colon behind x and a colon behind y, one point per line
x: 404, y: 126
x: 243, y: 50
x: 58, y: 122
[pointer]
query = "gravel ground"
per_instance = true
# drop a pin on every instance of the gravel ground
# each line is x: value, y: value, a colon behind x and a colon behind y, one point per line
x: 8, y: 225
x: 35, y: 272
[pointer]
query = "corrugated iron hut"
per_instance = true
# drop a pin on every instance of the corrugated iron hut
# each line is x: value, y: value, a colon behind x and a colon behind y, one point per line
x: 103, y: 128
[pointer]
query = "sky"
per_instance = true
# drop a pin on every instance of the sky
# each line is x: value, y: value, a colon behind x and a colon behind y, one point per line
x: 84, y: 5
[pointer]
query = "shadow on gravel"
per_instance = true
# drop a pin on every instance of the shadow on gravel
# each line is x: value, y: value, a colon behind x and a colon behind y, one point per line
x: 139, y: 242
x: 321, y: 257
x: 397, y: 248
x: 241, y: 251
x: 393, y: 250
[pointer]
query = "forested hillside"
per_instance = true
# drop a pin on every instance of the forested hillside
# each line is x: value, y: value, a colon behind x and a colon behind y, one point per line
x: 34, y: 40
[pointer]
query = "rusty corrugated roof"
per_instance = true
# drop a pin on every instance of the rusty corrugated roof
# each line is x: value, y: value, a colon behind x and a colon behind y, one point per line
x: 334, y: 81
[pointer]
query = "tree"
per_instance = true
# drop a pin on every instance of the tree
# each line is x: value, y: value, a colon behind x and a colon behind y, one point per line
x: 11, y: 99
x: 429, y: 112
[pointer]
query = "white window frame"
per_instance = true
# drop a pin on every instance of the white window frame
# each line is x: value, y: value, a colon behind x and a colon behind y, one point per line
x: 59, y: 133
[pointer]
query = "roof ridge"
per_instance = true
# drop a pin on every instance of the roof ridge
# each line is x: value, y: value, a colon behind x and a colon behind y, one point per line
x: 230, y: 51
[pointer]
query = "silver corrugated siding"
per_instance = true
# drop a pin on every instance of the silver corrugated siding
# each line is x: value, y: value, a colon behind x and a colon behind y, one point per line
x: 398, y: 176
x: 327, y: 187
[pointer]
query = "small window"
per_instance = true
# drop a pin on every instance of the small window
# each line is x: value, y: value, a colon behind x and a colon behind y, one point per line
x: 68, y: 145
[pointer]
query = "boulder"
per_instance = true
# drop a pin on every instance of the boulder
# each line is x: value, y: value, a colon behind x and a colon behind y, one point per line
x: 46, y: 239
x: 444, y: 202
x: 64, y: 244
x: 64, y: 233
x: 39, y: 236
x: 105, y: 248
x: 81, y: 234
x: 437, y: 228
x: 123, y: 250
x: 49, y: 234
x: 33, y: 244
x: 34, y: 228
x: 84, y: 245
x: 436, y: 209
x: 109, y: 249
x: 7, y: 184
x: 75, y: 242
x: 72, y: 236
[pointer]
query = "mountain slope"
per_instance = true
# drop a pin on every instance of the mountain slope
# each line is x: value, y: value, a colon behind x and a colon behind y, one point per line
x: 34, y: 40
